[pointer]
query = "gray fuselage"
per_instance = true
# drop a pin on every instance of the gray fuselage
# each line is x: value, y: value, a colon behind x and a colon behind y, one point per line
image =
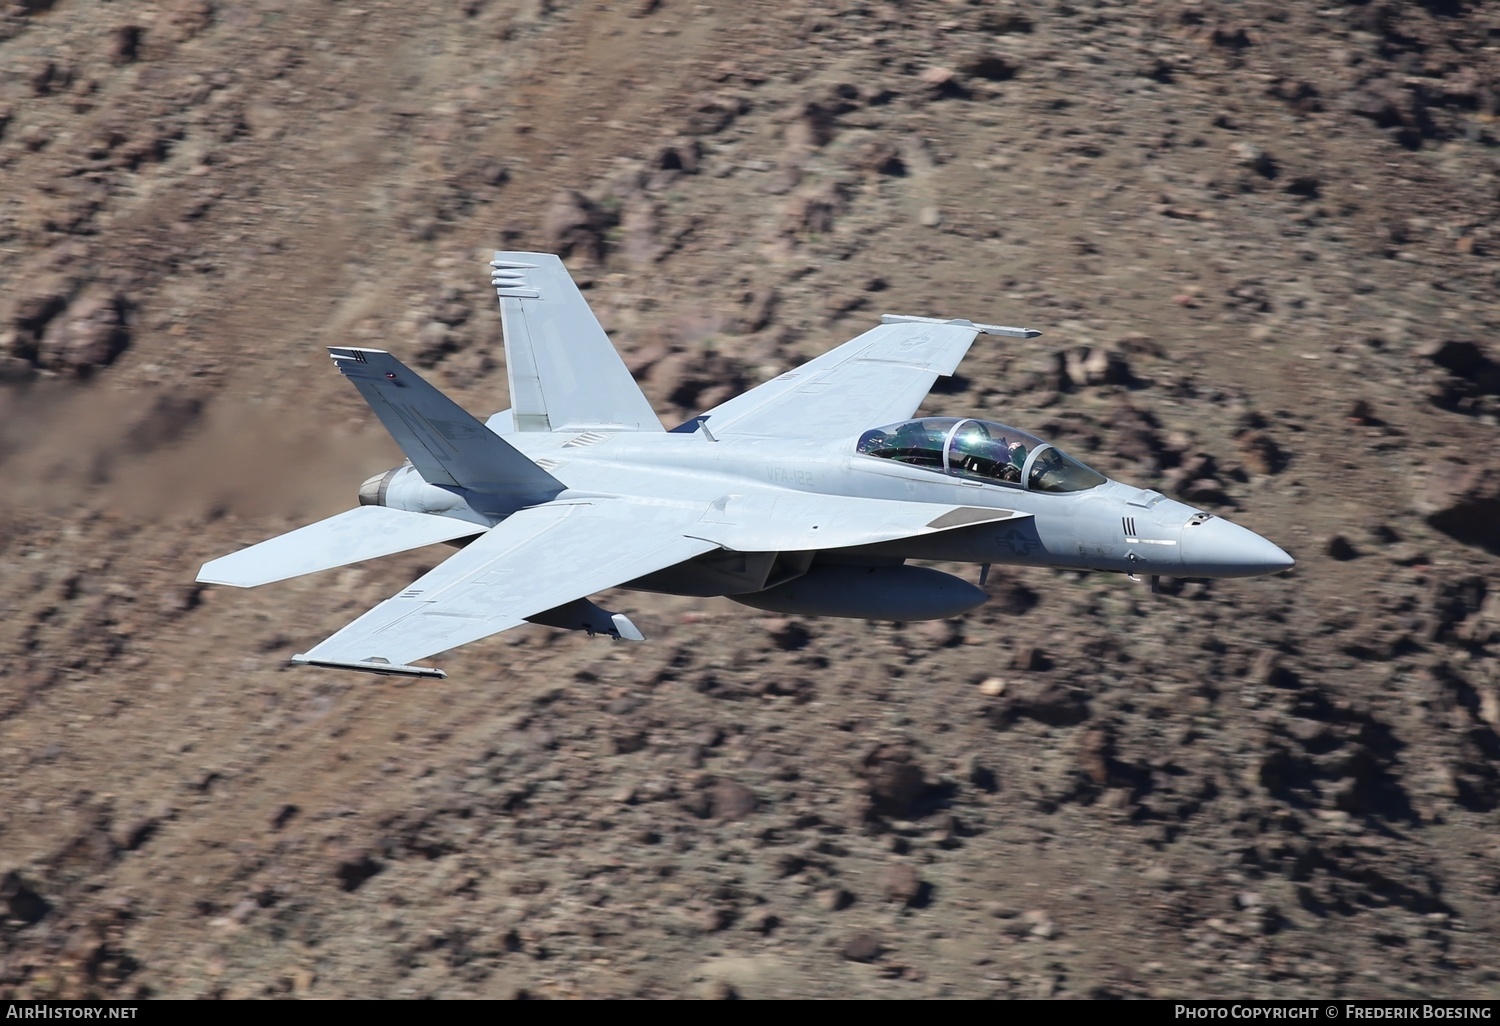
x: 1112, y: 527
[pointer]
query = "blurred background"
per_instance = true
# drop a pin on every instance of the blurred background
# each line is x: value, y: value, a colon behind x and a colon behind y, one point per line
x: 1261, y: 241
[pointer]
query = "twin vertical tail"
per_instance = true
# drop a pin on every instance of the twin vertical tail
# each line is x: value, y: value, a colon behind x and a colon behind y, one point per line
x: 565, y: 374
x: 445, y: 443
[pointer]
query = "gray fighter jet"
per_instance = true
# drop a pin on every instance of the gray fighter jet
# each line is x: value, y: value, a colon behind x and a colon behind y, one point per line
x: 808, y: 494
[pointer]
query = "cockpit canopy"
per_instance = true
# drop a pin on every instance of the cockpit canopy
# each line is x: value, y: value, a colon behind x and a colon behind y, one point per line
x: 981, y: 450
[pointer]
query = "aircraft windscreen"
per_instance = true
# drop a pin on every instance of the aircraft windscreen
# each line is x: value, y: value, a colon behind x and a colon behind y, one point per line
x: 1055, y: 471
x: 981, y: 450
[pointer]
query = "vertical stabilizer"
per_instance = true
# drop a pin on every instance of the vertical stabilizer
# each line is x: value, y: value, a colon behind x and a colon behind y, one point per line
x: 444, y: 442
x: 564, y: 372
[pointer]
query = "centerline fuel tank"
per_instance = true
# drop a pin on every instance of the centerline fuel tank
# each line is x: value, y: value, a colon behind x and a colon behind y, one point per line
x: 870, y: 593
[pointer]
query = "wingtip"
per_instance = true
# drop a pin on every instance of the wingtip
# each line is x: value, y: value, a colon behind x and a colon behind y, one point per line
x: 207, y: 574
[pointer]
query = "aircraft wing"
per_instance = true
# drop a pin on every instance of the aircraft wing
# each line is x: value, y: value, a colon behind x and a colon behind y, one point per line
x: 531, y: 562
x: 878, y: 378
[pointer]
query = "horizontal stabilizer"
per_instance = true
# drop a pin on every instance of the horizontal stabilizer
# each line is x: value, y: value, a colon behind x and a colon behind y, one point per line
x: 373, y: 666
x: 365, y: 532
x: 446, y: 443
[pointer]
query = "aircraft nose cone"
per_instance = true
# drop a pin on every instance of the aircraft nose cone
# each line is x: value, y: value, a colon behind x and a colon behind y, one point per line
x: 1218, y: 548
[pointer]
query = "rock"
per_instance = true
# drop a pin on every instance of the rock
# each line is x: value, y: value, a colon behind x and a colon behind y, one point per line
x: 626, y: 742
x: 863, y: 947
x: 1010, y: 597
x: 1030, y: 659
x: 1052, y: 703
x: 811, y: 127
x: 1472, y: 376
x: 708, y: 736
x: 1462, y: 500
x: 708, y: 918
x: 1094, y: 365
x: 1267, y: 671
x: 354, y: 868
x: 791, y: 636
x: 878, y: 157
x: 757, y: 311
x: 434, y: 341
x: 905, y: 885
x: 13, y: 369
x: 834, y: 899
x: 943, y: 82
x: 1248, y: 155
x: 1096, y: 754
x: 979, y: 775
x: 992, y: 687
x: 1260, y: 452
x: 991, y: 68
x: 1016, y: 925
x: 1339, y: 548
x: 34, y: 137
x: 181, y: 20
x: 897, y: 783
x: 762, y: 921
x: 1137, y: 434
x: 91, y: 333
x: 642, y: 229
x: 931, y: 217
x: 44, y: 77
x: 575, y: 224
x: 718, y: 990
x: 813, y: 211
x: 941, y: 633
x: 714, y: 112
x: 1463, y: 358
x: 679, y: 155
x: 33, y: 310
x: 124, y: 44
x: 730, y: 800
x: 131, y: 834
x: 22, y: 902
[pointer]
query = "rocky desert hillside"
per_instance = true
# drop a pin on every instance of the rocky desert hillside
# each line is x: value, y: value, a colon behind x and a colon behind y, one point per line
x: 1261, y: 240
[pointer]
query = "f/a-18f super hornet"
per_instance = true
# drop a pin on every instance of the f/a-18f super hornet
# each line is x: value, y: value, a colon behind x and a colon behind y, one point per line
x: 806, y: 495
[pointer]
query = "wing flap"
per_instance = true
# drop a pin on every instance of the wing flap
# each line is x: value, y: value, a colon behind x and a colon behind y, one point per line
x: 365, y: 532
x: 533, y: 561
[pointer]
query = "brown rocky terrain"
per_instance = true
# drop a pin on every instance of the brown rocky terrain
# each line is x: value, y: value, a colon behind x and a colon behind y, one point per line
x: 1262, y: 241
